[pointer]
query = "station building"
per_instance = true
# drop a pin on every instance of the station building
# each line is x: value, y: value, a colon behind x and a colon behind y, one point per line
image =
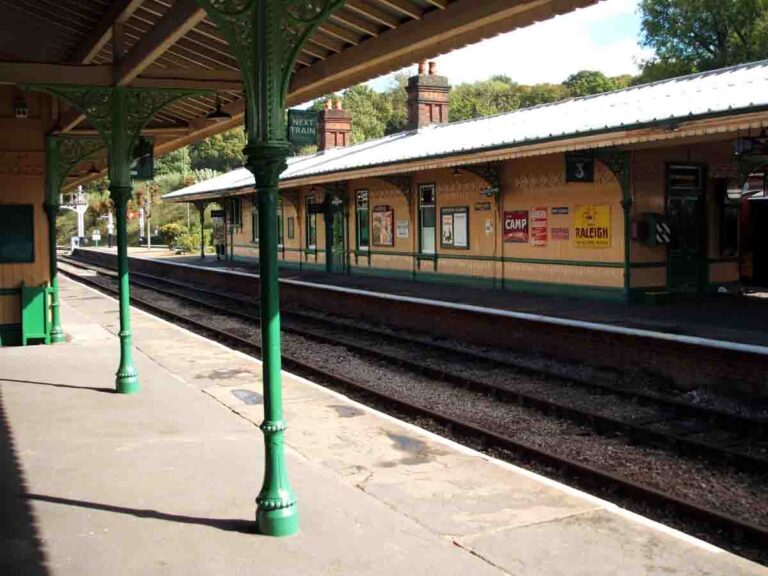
x: 633, y: 194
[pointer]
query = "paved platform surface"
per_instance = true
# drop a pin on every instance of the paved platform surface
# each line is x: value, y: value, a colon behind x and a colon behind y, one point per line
x: 720, y: 317
x: 163, y: 482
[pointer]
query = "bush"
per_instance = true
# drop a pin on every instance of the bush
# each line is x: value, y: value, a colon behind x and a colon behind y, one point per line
x: 170, y: 234
x: 190, y: 241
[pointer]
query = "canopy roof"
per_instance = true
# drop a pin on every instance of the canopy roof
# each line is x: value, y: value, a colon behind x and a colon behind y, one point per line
x: 167, y: 43
x: 662, y: 105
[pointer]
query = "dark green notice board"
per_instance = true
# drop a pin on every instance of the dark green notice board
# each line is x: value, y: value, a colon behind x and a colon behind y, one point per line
x: 17, y: 233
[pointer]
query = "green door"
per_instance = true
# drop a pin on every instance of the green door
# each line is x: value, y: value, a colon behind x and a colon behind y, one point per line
x: 686, y: 215
x: 335, y: 239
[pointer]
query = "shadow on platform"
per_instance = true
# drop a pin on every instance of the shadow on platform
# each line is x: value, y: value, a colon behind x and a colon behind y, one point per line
x: 69, y: 386
x: 20, y: 545
x: 228, y: 525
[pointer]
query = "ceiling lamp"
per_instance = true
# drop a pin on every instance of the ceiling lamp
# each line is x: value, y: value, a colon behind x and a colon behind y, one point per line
x: 93, y: 170
x: 218, y: 115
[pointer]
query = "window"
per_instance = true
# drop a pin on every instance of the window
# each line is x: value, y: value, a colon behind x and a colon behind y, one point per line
x: 363, y: 221
x: 291, y: 228
x: 236, y: 212
x: 280, y: 237
x: 255, y: 223
x: 312, y: 207
x: 427, y: 218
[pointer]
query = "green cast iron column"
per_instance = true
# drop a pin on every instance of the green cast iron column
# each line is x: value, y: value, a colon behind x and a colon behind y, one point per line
x: 120, y: 190
x: 266, y: 37
x: 619, y: 162
x: 201, y: 206
x: 119, y: 114
x: 277, y: 513
x: 57, y: 333
x: 62, y: 154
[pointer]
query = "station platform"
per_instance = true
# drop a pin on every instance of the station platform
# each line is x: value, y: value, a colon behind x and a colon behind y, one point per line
x: 164, y: 481
x: 727, y: 318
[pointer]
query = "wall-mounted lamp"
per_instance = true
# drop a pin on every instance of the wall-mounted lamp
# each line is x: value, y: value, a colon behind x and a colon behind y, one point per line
x: 93, y: 170
x: 218, y: 115
x: 456, y: 171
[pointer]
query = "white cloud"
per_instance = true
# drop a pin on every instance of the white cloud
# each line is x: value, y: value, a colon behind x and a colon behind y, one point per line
x: 594, y: 38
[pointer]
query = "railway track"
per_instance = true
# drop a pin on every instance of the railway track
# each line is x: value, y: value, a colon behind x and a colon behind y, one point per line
x: 246, y: 310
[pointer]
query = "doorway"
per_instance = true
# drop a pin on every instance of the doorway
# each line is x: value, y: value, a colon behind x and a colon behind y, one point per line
x: 335, y: 234
x: 686, y: 214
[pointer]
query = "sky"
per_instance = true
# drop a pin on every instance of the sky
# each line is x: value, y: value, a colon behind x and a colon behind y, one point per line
x: 604, y: 37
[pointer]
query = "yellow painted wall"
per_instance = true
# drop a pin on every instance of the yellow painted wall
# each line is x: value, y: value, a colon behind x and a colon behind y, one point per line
x: 527, y: 184
x: 22, y: 159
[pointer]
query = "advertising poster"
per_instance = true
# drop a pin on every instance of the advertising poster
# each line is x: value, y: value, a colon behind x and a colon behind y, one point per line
x: 560, y: 233
x: 592, y: 226
x: 447, y: 228
x: 383, y: 221
x: 539, y: 227
x: 454, y: 227
x: 516, y: 226
x: 403, y: 230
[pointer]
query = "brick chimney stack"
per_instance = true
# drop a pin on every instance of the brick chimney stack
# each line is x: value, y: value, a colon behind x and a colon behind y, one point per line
x: 427, y: 97
x: 334, y: 126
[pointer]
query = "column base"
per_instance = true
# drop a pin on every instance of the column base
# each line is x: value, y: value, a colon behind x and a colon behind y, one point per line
x: 127, y: 382
x: 279, y: 522
x: 57, y: 336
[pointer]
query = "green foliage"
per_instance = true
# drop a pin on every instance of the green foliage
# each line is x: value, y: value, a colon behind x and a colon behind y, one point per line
x: 171, y: 233
x: 176, y: 162
x: 690, y: 36
x: 222, y: 152
x: 190, y: 241
x: 483, y: 99
x: 588, y: 82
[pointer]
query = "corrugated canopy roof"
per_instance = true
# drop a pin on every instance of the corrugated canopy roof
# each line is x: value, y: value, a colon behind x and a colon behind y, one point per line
x: 173, y: 43
x: 727, y: 91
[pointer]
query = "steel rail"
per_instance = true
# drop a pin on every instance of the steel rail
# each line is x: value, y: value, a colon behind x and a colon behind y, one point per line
x: 739, y: 529
x: 598, y: 422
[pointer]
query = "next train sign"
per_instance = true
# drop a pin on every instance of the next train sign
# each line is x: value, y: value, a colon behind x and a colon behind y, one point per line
x: 302, y: 127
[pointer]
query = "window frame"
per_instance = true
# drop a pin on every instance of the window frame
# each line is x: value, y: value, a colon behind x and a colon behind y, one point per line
x: 358, y: 220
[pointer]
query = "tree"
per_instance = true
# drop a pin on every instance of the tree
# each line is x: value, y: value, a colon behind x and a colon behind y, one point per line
x: 221, y: 152
x: 588, y: 82
x: 484, y: 98
x: 690, y: 36
x: 542, y: 94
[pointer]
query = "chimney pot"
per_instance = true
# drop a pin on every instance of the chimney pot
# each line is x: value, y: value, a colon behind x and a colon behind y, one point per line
x: 338, y: 104
x: 427, y: 97
x: 328, y: 104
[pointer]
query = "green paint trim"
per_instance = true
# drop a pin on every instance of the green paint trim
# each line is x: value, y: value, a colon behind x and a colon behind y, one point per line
x: 10, y: 291
x: 478, y: 258
x: 648, y: 265
x: 548, y: 288
x: 728, y: 260
x: 10, y: 335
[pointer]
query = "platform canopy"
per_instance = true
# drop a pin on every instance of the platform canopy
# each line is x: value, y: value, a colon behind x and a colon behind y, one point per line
x: 151, y: 43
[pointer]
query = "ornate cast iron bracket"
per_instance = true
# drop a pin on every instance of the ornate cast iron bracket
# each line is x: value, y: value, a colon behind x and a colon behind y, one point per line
x: 64, y: 153
x: 490, y: 172
x: 618, y: 162
x: 119, y: 114
x: 748, y: 165
x: 266, y: 37
x: 403, y: 183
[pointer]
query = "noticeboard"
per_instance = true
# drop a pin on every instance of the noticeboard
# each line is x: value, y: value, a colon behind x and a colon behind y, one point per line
x: 302, y: 127
x: 17, y: 233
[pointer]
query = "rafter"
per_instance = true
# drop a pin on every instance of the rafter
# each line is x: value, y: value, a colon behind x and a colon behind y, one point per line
x: 118, y: 11
x: 177, y: 21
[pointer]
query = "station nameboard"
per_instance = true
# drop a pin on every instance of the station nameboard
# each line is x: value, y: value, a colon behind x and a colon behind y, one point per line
x: 302, y: 127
